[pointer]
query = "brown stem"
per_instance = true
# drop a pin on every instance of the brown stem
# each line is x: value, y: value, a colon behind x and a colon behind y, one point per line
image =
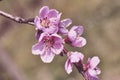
x: 17, y: 19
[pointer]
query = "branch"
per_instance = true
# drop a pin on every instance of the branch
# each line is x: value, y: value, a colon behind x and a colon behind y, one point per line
x: 17, y: 19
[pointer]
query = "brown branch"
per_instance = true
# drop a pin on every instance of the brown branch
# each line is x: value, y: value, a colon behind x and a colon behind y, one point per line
x: 17, y: 19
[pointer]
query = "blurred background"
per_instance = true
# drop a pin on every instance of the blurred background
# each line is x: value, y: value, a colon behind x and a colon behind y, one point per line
x: 100, y: 18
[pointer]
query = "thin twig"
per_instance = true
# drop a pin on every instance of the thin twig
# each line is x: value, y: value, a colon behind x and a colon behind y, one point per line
x: 17, y: 19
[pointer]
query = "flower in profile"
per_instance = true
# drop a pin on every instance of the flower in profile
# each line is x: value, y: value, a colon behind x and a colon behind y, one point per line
x: 63, y: 25
x: 48, y: 20
x: 73, y: 58
x: 74, y: 37
x: 91, y: 68
x: 47, y: 46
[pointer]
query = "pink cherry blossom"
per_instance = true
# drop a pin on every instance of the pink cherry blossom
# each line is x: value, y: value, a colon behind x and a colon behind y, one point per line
x: 48, y: 46
x: 48, y: 20
x: 74, y: 57
x: 92, y: 70
x: 74, y: 37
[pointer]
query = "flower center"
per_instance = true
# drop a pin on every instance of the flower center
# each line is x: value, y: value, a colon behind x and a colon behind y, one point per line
x: 48, y: 41
x: 45, y: 23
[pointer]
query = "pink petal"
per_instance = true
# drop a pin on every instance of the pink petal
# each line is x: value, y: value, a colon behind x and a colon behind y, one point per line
x: 79, y: 42
x: 59, y: 15
x: 66, y: 22
x: 89, y: 77
x: 57, y: 49
x: 52, y: 29
x: 72, y: 35
x: 68, y: 66
x: 57, y: 39
x: 52, y: 13
x: 76, y: 57
x: 94, y: 62
x: 63, y: 30
x: 57, y: 45
x: 43, y: 11
x: 48, y: 56
x: 37, y: 49
x: 38, y: 34
x: 78, y: 29
x: 42, y: 36
x: 92, y: 72
x: 54, y: 21
x: 98, y: 71
x: 37, y: 22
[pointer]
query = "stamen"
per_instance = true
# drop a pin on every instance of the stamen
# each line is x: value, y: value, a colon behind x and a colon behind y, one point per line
x: 45, y: 23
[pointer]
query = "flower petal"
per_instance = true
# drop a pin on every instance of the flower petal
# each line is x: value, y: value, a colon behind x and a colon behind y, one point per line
x: 48, y: 56
x: 42, y: 36
x: 57, y: 39
x: 38, y: 34
x: 63, y: 30
x: 89, y: 77
x: 79, y: 30
x: 54, y: 21
x: 57, y: 45
x: 68, y: 66
x: 37, y: 22
x: 72, y: 35
x: 92, y: 72
x: 37, y: 49
x: 43, y: 11
x: 94, y: 62
x: 76, y: 57
x: 52, y: 13
x: 57, y: 48
x: 65, y: 22
x: 79, y: 42
x: 59, y: 15
x: 98, y: 71
x: 52, y: 29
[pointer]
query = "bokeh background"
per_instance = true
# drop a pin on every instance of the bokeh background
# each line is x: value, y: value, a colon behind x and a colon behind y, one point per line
x: 100, y: 18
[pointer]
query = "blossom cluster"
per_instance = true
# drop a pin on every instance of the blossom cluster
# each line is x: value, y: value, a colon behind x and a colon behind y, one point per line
x: 52, y: 34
